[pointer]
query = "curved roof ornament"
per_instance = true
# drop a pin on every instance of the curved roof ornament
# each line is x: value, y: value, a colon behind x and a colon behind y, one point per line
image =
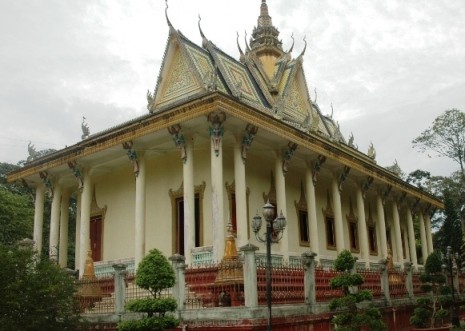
x: 242, y: 56
x: 247, y: 48
x: 172, y: 30
x: 293, y: 42
x: 305, y: 47
x: 204, y: 39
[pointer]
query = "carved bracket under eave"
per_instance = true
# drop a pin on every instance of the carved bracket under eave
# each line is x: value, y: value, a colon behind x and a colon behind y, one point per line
x: 77, y: 173
x: 366, y: 185
x: 342, y: 177
x: 291, y: 147
x: 247, y: 139
x: 401, y: 199
x: 132, y: 155
x: 317, y: 166
x: 179, y: 141
x: 216, y: 129
x: 386, y: 193
x: 47, y: 182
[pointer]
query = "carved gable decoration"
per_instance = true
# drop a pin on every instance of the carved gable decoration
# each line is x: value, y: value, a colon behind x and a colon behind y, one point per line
x: 186, y: 70
x: 238, y: 79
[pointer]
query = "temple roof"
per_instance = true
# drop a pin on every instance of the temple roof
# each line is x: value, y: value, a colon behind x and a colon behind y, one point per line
x: 264, y: 77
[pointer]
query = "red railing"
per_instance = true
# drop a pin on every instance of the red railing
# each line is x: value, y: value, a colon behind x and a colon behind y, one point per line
x: 372, y: 282
x: 324, y: 292
x: 287, y: 284
x: 397, y: 288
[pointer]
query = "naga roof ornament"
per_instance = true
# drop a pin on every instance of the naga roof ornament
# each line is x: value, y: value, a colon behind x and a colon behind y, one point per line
x: 204, y: 39
x: 167, y: 19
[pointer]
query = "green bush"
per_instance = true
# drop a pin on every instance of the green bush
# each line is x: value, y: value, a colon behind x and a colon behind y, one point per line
x: 350, y: 317
x: 430, y: 310
x: 154, y: 274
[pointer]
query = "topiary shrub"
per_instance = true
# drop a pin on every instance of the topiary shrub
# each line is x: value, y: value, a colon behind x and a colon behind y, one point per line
x: 350, y: 317
x: 429, y: 312
x: 154, y: 274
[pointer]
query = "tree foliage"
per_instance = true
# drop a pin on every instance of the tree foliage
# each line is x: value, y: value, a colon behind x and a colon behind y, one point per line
x: 35, y: 293
x: 429, y: 311
x: 350, y: 317
x: 154, y: 274
x: 16, y: 216
x: 446, y: 137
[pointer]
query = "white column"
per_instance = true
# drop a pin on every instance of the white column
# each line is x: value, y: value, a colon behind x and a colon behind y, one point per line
x: 84, y: 238
x: 424, y: 245
x: 189, y: 200
x: 397, y: 233
x: 39, y: 217
x: 64, y: 219
x: 362, y: 228
x: 429, y: 236
x: 139, y: 233
x: 338, y: 222
x: 77, y: 235
x: 411, y: 240
x: 311, y: 212
x: 406, y: 247
x: 219, y: 230
x: 55, y: 222
x: 280, y: 183
x: 382, y: 226
x: 241, y: 195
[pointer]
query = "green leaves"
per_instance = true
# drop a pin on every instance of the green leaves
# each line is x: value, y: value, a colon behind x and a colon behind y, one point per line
x: 36, y: 294
x: 155, y: 274
x: 351, y: 316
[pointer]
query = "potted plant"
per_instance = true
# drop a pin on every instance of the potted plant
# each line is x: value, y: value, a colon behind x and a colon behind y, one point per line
x: 430, y: 313
x: 350, y: 315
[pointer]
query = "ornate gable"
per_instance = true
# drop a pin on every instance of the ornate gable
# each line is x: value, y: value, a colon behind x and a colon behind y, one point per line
x: 186, y: 71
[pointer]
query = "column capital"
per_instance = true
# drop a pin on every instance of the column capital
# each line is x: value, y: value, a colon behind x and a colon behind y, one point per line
x: 177, y: 258
x: 249, y: 248
x: 308, y: 257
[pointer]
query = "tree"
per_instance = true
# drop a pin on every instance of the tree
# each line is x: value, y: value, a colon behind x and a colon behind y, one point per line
x: 450, y: 233
x: 429, y: 312
x: 446, y: 137
x: 16, y: 216
x: 35, y: 293
x: 350, y: 317
x: 154, y: 274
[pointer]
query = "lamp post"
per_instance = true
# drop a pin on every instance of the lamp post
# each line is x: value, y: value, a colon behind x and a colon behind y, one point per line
x: 274, y: 233
x: 450, y: 261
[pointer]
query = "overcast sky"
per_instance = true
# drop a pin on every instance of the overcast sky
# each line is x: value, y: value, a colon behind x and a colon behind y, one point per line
x: 389, y: 67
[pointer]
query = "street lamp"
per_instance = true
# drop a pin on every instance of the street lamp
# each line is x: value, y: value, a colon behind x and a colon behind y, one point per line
x: 274, y: 232
x: 450, y: 261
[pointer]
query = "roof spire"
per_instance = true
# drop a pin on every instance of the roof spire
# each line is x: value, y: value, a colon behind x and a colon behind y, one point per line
x: 265, y: 35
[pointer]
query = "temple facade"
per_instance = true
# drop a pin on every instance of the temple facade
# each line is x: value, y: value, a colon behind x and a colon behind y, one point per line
x: 222, y: 136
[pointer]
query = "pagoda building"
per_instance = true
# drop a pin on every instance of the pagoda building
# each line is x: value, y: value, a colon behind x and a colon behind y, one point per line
x: 222, y: 136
